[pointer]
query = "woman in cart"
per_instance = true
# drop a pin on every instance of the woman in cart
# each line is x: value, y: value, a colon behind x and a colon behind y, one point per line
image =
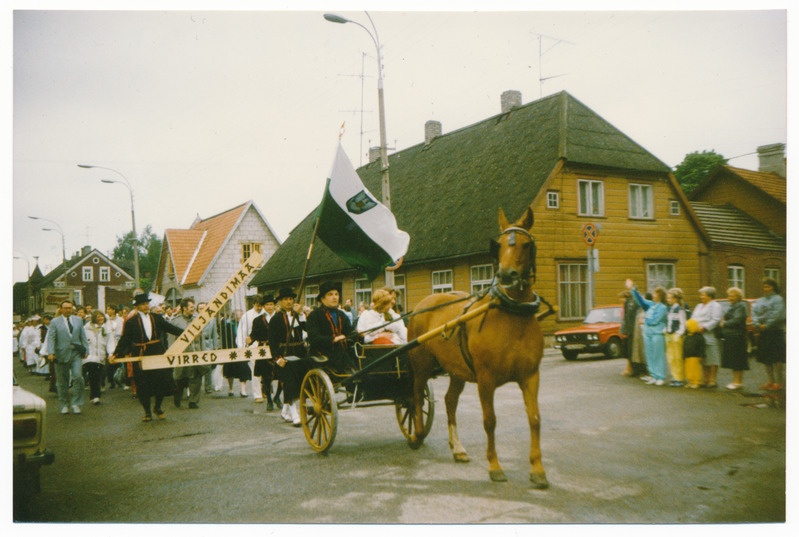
x: 376, y: 324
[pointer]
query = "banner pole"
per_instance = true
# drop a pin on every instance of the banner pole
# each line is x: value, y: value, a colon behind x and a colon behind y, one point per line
x: 308, y: 259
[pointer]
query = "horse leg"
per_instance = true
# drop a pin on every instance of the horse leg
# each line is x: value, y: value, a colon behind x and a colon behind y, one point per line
x: 530, y: 392
x: 456, y: 386
x: 418, y: 434
x: 486, y: 390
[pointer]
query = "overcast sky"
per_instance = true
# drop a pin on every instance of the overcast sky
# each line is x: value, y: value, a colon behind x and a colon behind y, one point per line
x: 203, y: 110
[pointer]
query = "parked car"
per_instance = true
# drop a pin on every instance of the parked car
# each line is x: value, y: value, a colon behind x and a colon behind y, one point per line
x: 30, y: 449
x: 599, y: 333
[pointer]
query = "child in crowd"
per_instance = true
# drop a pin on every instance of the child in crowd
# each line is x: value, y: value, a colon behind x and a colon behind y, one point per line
x: 693, y: 351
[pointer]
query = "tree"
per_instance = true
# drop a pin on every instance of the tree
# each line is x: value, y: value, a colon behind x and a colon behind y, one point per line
x: 149, y: 254
x: 695, y: 167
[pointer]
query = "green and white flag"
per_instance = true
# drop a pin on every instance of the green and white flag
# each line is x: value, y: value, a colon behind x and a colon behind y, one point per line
x: 357, y: 227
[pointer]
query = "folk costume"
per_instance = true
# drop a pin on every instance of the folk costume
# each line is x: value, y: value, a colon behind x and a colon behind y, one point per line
x: 286, y: 339
x: 264, y: 368
x: 144, y: 334
x: 323, y: 325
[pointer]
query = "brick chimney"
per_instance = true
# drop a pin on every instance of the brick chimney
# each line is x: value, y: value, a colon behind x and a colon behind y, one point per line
x: 432, y: 130
x: 772, y: 159
x: 374, y: 153
x: 510, y: 99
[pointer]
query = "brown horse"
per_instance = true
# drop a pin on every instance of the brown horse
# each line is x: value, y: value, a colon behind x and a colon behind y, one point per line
x: 503, y: 345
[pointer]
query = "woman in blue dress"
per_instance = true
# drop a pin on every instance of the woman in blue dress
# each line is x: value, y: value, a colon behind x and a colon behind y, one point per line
x: 653, y: 332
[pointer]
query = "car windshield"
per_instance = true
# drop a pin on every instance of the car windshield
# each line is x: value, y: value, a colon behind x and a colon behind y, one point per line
x: 603, y: 315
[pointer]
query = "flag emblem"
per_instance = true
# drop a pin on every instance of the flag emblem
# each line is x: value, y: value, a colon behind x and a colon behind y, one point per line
x: 360, y: 203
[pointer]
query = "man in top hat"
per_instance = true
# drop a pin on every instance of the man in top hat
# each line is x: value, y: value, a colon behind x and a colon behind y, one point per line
x: 264, y: 368
x: 328, y: 328
x: 144, y: 334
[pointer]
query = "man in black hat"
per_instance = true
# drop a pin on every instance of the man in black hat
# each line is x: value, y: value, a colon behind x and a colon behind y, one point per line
x: 328, y: 328
x: 288, y: 352
x: 144, y: 334
x: 264, y: 369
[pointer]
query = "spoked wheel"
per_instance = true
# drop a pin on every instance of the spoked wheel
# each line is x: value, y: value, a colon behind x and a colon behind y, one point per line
x: 405, y: 413
x: 318, y: 410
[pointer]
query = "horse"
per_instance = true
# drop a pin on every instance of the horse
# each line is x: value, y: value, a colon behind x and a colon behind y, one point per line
x: 503, y: 345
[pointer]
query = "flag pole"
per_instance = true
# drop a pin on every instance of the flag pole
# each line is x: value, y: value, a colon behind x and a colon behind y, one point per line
x: 308, y: 258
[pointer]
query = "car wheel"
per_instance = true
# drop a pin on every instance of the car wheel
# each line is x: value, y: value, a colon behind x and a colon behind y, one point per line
x: 613, y: 348
x: 570, y: 355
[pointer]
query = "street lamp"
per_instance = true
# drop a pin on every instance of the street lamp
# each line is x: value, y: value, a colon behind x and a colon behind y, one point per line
x: 126, y: 184
x: 63, y: 242
x: 338, y: 19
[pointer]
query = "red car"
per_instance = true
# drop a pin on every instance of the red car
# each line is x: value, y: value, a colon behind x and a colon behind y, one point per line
x: 599, y: 333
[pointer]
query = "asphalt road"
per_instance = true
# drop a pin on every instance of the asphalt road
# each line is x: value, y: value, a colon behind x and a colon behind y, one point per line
x: 615, y: 451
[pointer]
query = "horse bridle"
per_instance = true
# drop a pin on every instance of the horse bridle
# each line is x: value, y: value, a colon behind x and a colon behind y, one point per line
x: 524, y: 280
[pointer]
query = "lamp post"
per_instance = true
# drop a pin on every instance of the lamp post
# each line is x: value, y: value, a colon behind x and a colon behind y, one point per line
x: 63, y: 242
x: 338, y: 19
x: 126, y: 184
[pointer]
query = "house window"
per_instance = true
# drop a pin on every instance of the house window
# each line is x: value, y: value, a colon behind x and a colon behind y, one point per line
x: 311, y: 292
x: 249, y: 248
x: 573, y: 290
x: 773, y: 273
x: 363, y: 293
x: 553, y: 199
x: 77, y: 297
x: 674, y: 207
x: 442, y: 281
x: 59, y: 284
x: 105, y: 274
x: 640, y: 201
x: 88, y: 274
x: 399, y: 287
x: 592, y: 197
x: 482, y: 276
x: 736, y: 277
x: 660, y: 275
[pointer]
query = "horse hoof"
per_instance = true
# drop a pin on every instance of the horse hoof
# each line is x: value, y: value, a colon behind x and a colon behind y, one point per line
x: 461, y: 457
x: 539, y: 481
x: 497, y: 476
x: 415, y: 442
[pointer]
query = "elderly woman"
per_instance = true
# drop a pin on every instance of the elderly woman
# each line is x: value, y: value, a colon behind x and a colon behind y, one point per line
x: 708, y: 314
x: 768, y: 315
x: 734, y: 353
x: 655, y: 321
x: 371, y: 322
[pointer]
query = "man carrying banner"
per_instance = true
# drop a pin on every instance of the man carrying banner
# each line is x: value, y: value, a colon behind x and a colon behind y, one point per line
x: 144, y: 334
x: 190, y: 377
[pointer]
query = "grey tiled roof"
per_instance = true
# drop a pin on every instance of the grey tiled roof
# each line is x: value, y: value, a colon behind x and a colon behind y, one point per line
x: 727, y: 224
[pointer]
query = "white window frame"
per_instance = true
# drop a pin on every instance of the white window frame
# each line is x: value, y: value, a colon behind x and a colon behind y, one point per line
x: 773, y: 273
x: 572, y: 290
x: 105, y: 274
x: 442, y: 281
x: 736, y: 277
x: 248, y: 248
x: 481, y: 277
x: 593, y: 204
x: 87, y: 274
x: 641, y: 201
x: 311, y: 292
x: 399, y: 287
x: 553, y: 199
x: 674, y: 207
x: 363, y: 292
x: 662, y: 274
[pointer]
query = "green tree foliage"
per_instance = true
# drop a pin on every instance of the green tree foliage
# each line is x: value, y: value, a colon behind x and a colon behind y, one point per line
x: 149, y: 253
x: 695, y: 167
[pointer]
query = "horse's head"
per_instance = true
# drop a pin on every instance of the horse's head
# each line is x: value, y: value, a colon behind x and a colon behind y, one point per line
x: 514, y: 250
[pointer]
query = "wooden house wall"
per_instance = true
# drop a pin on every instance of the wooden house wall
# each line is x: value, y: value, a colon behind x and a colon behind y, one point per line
x: 757, y: 204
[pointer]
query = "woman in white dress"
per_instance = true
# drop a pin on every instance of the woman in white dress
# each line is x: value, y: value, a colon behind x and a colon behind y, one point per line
x: 380, y: 313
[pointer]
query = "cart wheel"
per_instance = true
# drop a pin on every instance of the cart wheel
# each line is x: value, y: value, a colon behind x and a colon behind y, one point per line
x: 404, y: 411
x: 318, y: 410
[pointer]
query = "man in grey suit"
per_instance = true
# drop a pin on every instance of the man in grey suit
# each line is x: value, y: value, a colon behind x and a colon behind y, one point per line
x: 68, y: 345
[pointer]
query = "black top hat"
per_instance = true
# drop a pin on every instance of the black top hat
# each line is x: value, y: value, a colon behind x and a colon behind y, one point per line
x: 267, y: 299
x: 286, y: 292
x: 143, y: 298
x: 326, y: 287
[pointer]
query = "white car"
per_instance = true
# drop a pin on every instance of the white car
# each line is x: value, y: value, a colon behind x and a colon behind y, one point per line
x: 30, y: 449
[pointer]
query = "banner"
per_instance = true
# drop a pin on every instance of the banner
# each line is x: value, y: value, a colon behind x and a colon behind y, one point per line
x: 354, y: 225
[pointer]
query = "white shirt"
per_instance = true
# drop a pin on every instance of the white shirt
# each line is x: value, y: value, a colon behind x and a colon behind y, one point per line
x: 372, y: 319
x: 147, y: 322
